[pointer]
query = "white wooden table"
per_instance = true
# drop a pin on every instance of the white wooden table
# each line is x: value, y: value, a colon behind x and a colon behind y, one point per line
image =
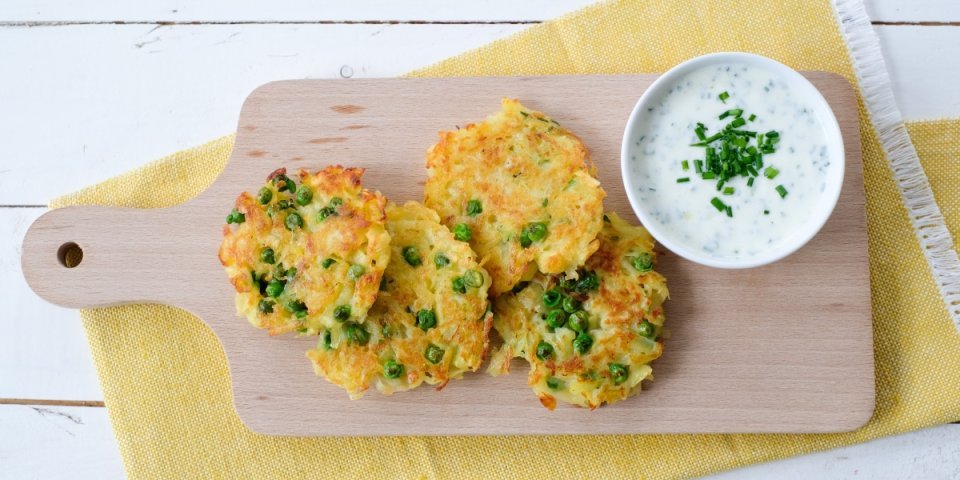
x: 91, y: 90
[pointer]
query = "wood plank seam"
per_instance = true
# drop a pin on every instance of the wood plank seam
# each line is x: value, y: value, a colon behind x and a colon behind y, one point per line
x: 166, y: 23
x: 56, y: 403
x: 268, y: 22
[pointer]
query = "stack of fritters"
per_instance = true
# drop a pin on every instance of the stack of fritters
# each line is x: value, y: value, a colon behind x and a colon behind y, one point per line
x: 397, y: 296
x: 581, y: 305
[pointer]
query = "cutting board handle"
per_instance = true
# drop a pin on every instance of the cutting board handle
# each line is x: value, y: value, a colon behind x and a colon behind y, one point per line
x: 74, y: 256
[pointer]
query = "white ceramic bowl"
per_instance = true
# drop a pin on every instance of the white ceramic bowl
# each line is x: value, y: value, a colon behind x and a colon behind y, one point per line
x: 800, y: 87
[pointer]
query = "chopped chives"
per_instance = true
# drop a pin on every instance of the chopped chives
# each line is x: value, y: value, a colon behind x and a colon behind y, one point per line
x: 734, y: 112
x: 700, y: 131
x: 718, y: 204
x: 731, y: 153
x: 766, y: 212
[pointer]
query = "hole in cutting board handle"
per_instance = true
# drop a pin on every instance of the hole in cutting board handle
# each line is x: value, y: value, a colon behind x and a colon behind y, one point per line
x: 70, y: 254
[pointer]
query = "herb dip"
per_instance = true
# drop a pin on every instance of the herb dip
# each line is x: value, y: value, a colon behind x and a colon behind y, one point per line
x: 763, y: 219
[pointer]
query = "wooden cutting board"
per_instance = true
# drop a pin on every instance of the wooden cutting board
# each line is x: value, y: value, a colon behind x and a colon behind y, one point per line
x: 782, y: 348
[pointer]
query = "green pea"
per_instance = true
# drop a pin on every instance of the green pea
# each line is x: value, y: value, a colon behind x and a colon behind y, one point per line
x: 293, y: 221
x: 458, y: 285
x: 461, y: 231
x: 304, y: 195
x: 582, y: 343
x: 588, y: 281
x: 267, y: 256
x: 284, y: 204
x: 274, y: 288
x: 412, y: 256
x: 265, y: 195
x: 297, y: 308
x: 265, y: 306
x: 525, y: 239
x: 355, y: 272
x: 473, y: 279
x: 392, y: 369
x: 571, y: 304
x: 552, y: 298
x: 441, y: 260
x: 342, y: 313
x: 554, y: 383
x: 426, y: 319
x: 433, y: 354
x: 578, y: 321
x: 327, y: 340
x: 336, y: 202
x: 647, y: 329
x: 643, y: 262
x: 556, y: 318
x: 474, y: 208
x: 327, y: 262
x: 236, y: 217
x: 326, y: 212
x: 544, y: 351
x: 532, y: 232
x: 356, y: 333
x: 619, y: 373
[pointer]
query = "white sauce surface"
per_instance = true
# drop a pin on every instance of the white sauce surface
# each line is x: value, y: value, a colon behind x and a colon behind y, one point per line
x: 683, y: 209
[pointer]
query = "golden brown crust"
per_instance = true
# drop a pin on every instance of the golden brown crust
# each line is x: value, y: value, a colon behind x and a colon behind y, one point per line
x: 341, y: 221
x: 522, y: 167
x: 624, y: 298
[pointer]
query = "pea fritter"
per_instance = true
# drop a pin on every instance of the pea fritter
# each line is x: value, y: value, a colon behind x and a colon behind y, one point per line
x: 430, y: 322
x: 519, y: 188
x: 306, y: 256
x: 588, y: 340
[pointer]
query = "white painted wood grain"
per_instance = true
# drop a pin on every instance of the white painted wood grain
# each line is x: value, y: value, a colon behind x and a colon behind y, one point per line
x: 171, y: 125
x: 930, y: 454
x: 149, y: 91
x: 43, y: 442
x: 372, y: 10
x: 43, y: 350
x: 152, y: 90
x: 924, y: 65
x: 286, y: 10
x: 913, y: 10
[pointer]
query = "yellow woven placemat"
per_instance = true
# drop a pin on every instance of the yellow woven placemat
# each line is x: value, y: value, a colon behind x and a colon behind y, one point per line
x: 165, y: 377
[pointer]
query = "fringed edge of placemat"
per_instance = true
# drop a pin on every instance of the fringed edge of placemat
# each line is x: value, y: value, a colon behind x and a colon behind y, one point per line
x: 925, y: 216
